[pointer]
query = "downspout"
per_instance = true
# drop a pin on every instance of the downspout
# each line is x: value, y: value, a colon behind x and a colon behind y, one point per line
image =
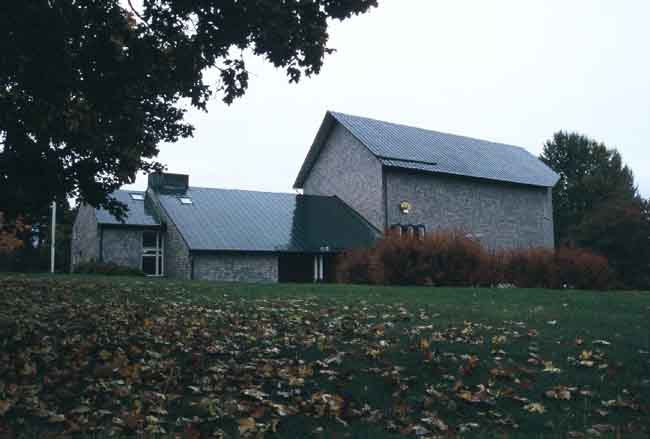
x: 191, y: 267
x: 385, y: 195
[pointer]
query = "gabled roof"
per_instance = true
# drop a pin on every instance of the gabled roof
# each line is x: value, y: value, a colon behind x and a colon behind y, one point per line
x: 138, y: 214
x: 238, y: 220
x: 406, y: 147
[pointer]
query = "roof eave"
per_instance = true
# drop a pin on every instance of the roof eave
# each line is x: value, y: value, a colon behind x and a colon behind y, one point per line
x: 441, y: 172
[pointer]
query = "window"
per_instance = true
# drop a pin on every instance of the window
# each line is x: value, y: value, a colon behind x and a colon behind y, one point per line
x: 185, y: 200
x: 152, y: 253
x: 137, y: 197
x: 408, y: 230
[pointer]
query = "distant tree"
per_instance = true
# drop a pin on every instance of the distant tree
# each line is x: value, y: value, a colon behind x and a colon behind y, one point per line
x: 596, y: 205
x: 590, y: 173
x: 88, y: 89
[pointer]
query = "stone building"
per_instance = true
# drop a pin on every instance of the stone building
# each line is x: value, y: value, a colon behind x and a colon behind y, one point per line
x: 360, y: 177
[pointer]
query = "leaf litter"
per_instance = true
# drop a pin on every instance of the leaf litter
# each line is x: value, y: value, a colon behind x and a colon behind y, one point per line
x: 141, y: 361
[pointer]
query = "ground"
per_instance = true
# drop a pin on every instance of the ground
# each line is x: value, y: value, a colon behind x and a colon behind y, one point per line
x: 102, y: 357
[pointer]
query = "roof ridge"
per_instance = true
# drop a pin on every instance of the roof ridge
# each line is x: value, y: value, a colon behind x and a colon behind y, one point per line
x: 403, y: 125
x: 293, y: 194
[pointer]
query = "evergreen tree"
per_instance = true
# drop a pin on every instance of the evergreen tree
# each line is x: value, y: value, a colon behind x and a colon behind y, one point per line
x: 596, y: 205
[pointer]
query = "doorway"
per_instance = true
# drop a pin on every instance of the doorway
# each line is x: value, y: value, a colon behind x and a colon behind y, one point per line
x: 304, y: 268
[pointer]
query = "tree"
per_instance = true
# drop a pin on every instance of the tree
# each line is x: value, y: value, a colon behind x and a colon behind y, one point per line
x: 88, y: 89
x: 589, y: 174
x: 620, y: 229
x: 596, y: 205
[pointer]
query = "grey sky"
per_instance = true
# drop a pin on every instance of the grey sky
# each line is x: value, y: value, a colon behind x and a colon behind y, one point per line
x: 510, y: 71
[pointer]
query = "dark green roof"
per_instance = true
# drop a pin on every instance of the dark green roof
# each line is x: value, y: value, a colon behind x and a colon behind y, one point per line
x: 139, y: 214
x: 238, y: 220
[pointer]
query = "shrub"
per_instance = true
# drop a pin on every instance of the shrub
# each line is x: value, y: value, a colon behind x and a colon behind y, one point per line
x: 579, y: 268
x: 106, y: 268
x: 530, y: 268
x: 354, y: 267
x: 453, y: 259
x: 437, y: 259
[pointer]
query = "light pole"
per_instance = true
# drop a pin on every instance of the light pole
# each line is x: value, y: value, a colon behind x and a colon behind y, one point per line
x: 53, y: 237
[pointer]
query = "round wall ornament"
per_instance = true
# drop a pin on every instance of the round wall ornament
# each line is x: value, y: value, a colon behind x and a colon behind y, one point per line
x: 405, y: 207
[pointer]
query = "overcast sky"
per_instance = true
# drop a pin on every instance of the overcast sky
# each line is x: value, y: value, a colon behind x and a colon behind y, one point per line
x: 509, y: 71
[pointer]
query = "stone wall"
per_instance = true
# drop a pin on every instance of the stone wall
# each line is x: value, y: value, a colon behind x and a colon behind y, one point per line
x: 85, y: 238
x: 347, y: 169
x: 122, y: 246
x: 501, y: 215
x: 236, y: 267
x: 177, y: 253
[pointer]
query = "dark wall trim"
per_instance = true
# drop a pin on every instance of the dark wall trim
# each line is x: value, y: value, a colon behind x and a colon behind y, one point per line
x: 133, y: 227
x: 260, y: 252
x: 463, y: 177
x: 384, y: 190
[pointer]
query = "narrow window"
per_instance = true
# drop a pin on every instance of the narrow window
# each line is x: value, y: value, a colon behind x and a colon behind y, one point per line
x: 422, y: 230
x: 152, y: 253
x: 396, y: 230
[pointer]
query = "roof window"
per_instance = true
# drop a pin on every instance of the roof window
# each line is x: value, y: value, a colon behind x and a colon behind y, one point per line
x: 137, y: 197
x: 185, y: 200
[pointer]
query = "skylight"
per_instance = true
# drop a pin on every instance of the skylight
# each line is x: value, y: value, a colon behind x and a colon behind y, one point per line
x: 185, y: 200
x: 137, y: 197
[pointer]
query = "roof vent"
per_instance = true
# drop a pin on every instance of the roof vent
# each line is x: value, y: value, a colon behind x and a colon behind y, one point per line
x: 185, y: 200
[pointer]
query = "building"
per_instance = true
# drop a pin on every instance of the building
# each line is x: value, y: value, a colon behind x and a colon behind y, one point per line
x: 360, y: 177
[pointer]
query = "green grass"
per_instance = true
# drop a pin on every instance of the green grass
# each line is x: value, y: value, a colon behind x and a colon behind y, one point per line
x: 409, y: 357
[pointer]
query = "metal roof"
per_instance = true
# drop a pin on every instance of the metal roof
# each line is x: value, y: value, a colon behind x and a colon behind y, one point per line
x: 138, y: 214
x: 238, y: 220
x: 407, y: 147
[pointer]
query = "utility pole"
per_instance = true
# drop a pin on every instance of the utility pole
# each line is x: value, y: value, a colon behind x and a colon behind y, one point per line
x: 53, y: 237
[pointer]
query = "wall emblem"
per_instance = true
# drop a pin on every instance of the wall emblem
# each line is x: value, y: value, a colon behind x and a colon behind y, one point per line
x: 405, y: 207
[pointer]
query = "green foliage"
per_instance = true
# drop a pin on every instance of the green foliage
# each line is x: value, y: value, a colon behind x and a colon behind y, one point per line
x: 89, y: 89
x: 106, y: 268
x: 590, y: 174
x: 596, y: 205
x: 452, y: 259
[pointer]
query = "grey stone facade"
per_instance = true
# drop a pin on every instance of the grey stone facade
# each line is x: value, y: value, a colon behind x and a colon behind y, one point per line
x: 347, y: 169
x: 501, y: 215
x: 236, y: 267
x: 85, y: 236
x: 122, y: 246
x: 177, y: 253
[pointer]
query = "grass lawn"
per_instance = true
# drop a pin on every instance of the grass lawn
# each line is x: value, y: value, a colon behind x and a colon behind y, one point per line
x: 98, y: 357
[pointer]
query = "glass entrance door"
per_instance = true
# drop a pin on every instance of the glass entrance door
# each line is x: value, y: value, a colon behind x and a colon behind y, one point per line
x: 152, y: 253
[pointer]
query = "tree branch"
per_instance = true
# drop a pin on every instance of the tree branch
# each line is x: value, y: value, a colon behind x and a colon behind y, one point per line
x: 137, y: 14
